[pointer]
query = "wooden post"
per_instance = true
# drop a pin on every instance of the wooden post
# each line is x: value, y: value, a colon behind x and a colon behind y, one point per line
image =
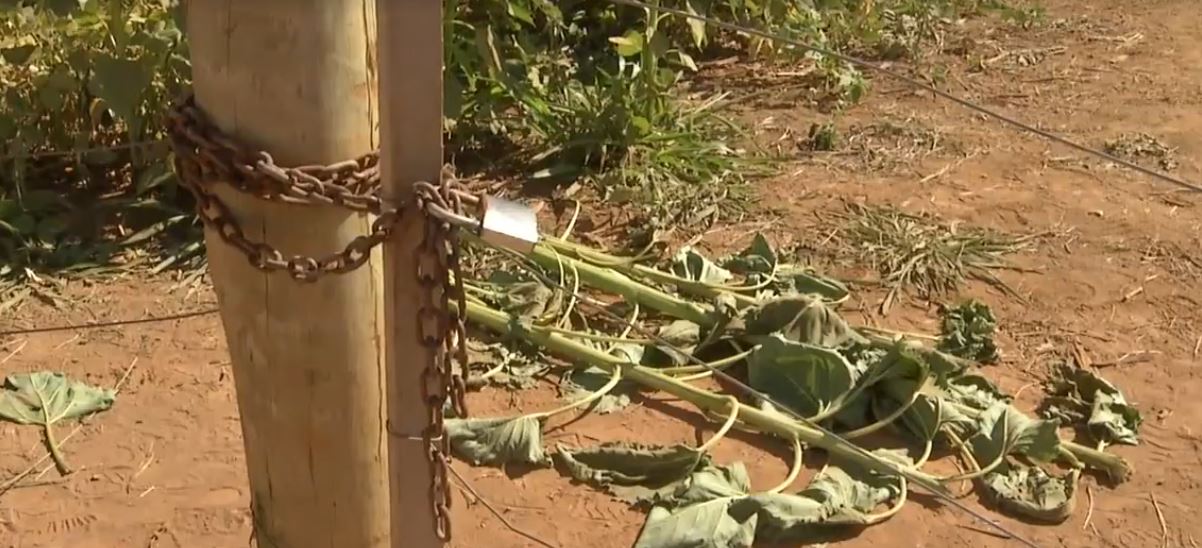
x: 296, y: 78
x: 410, y: 46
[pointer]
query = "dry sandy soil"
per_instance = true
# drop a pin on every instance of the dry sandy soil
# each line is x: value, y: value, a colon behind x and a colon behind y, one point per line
x: 1118, y: 277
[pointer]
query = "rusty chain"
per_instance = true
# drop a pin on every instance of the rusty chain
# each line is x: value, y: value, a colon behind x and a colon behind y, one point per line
x: 204, y: 156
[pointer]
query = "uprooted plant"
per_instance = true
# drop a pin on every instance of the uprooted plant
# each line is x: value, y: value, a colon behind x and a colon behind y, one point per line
x: 780, y: 324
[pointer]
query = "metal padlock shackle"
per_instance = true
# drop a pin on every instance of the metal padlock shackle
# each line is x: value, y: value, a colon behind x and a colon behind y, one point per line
x: 503, y: 223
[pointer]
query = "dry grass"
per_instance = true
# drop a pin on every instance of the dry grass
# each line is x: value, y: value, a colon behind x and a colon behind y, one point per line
x: 922, y: 254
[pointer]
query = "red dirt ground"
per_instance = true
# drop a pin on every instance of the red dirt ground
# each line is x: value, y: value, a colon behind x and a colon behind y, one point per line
x: 1119, y: 277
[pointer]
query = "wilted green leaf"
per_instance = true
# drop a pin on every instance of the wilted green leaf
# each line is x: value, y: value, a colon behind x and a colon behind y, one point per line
x: 802, y: 318
x: 926, y: 416
x: 699, y: 514
x: 635, y: 473
x: 968, y: 332
x: 681, y: 333
x: 501, y: 366
x: 45, y: 398
x: 682, y: 336
x: 701, y: 525
x: 691, y: 265
x: 759, y: 257
x: 809, y: 379
x: 498, y: 441
x: 1112, y: 420
x: 1003, y: 430
x: 530, y: 300
x: 581, y: 383
x: 797, y: 280
x: 834, y: 498
x: 1080, y: 394
x: 974, y: 391
x: 1032, y: 492
x: 898, y: 378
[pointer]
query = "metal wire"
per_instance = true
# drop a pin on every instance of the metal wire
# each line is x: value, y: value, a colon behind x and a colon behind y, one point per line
x: 919, y: 84
x: 114, y: 323
x: 75, y: 152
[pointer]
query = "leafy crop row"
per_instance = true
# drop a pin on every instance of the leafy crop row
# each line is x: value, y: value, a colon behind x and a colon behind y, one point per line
x: 560, y: 91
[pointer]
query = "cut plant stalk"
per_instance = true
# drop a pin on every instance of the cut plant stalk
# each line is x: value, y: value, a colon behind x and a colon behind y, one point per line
x: 633, y: 269
x: 610, y: 280
x: 613, y: 277
x: 615, y: 377
x: 613, y: 281
x: 735, y: 407
x: 1115, y: 467
x: 767, y: 422
x: 794, y: 470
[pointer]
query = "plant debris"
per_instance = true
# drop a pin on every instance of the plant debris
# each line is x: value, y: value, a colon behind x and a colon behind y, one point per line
x: 46, y: 398
x: 794, y: 348
x: 968, y: 331
x: 1143, y: 148
x: 918, y: 252
x: 498, y: 441
x: 1082, y: 397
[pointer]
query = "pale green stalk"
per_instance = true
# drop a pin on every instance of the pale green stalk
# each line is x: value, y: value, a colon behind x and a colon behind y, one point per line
x: 702, y: 290
x: 610, y: 280
x: 767, y: 422
x: 593, y: 256
x: 1116, y: 467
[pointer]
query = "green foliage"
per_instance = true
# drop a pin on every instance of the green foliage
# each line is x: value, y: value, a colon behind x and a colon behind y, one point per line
x: 498, y: 441
x: 46, y: 398
x: 968, y: 332
x: 801, y: 352
x: 547, y: 91
x: 809, y: 379
x: 716, y: 508
x: 85, y: 83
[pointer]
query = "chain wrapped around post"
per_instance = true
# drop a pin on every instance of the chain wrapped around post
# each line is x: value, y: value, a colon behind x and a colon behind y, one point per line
x: 204, y: 156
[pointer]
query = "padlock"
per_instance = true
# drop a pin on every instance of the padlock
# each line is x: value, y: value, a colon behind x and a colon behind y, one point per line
x: 509, y: 224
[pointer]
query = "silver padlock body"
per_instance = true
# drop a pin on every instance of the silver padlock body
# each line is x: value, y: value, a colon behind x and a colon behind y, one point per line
x: 509, y: 224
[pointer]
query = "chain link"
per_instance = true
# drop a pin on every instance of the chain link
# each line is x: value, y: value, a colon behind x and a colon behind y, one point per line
x: 205, y: 156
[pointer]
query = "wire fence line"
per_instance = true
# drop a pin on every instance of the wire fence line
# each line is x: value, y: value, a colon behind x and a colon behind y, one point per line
x: 37, y: 154
x: 852, y: 60
x: 110, y: 323
x: 1009, y: 120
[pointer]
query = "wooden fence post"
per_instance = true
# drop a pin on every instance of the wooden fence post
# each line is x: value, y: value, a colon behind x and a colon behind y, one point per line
x: 410, y: 46
x: 296, y: 78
